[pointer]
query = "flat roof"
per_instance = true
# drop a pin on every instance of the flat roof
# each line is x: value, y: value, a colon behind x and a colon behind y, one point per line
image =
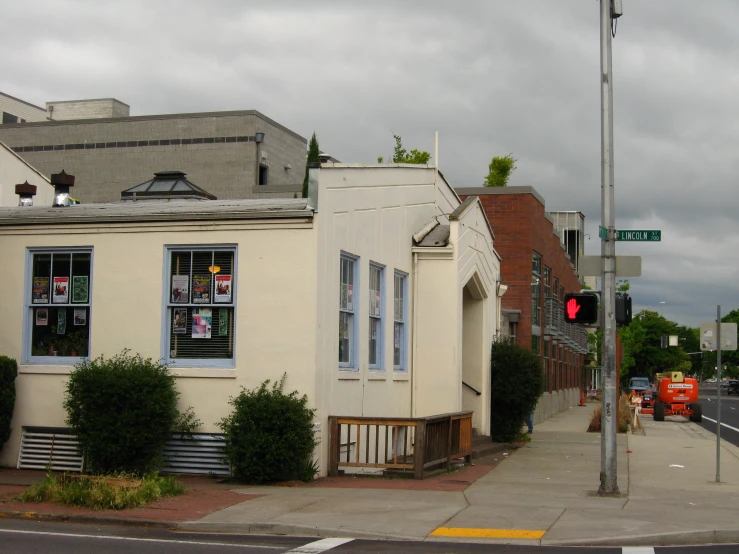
x: 158, y: 210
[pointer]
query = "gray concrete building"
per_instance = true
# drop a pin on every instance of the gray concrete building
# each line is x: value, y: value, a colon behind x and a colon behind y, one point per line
x: 235, y: 154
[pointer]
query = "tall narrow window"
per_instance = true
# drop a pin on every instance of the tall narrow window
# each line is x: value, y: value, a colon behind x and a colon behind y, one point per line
x: 399, y: 340
x: 536, y: 289
x: 58, y: 302
x: 200, y: 304
x: 347, y: 312
x: 376, y: 277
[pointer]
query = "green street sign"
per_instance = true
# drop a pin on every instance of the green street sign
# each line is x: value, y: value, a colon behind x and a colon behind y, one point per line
x: 602, y: 232
x: 647, y: 236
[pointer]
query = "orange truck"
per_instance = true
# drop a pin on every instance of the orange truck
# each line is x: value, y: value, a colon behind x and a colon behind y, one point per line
x: 676, y: 395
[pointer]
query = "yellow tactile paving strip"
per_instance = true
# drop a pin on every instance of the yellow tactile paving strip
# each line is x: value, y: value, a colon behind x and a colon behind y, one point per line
x: 487, y: 533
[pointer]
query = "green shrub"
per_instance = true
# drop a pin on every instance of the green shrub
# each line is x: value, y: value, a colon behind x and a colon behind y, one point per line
x: 269, y: 434
x: 516, y: 386
x: 103, y: 493
x: 8, y: 372
x: 123, y: 410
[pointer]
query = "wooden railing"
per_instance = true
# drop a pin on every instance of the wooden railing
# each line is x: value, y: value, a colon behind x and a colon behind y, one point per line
x: 413, y: 444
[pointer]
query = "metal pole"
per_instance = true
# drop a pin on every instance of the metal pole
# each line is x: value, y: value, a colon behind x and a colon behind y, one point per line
x: 718, y: 393
x: 608, y: 484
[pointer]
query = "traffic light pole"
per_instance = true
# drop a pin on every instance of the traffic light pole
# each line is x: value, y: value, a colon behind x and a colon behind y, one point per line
x: 608, y: 481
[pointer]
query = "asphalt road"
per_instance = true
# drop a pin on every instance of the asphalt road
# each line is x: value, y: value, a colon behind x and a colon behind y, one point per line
x: 26, y: 537
x: 729, y: 413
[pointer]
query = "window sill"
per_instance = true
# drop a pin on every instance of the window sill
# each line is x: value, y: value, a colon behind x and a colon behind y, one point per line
x: 401, y: 376
x: 377, y: 376
x: 349, y: 375
x: 203, y: 373
x: 46, y: 369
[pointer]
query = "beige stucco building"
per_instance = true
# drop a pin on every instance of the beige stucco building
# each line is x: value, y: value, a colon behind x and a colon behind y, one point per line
x: 377, y: 296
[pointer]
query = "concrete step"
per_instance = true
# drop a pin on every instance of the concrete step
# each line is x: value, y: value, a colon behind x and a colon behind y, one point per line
x: 483, y: 446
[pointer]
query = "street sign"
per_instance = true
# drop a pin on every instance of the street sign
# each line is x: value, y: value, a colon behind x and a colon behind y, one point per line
x: 648, y: 236
x: 708, y: 336
x: 626, y: 266
x: 602, y: 232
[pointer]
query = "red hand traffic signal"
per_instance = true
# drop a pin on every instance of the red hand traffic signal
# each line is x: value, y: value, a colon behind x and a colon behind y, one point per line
x: 581, y: 308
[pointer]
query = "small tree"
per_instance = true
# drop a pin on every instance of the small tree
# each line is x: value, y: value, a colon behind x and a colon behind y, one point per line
x: 123, y: 410
x: 8, y: 373
x: 500, y: 170
x: 269, y: 434
x: 516, y: 387
x: 402, y: 156
x: 314, y: 154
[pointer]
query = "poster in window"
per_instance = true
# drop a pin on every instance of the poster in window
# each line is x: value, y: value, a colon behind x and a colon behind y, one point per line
x: 223, y: 288
x: 350, y: 298
x: 80, y: 316
x: 180, y: 288
x: 40, y: 290
x: 342, y: 297
x: 377, y: 302
x: 202, y: 322
x: 61, y: 290
x: 223, y: 322
x: 201, y: 289
x: 42, y: 317
x: 79, y: 288
x: 61, y: 321
x: 179, y: 324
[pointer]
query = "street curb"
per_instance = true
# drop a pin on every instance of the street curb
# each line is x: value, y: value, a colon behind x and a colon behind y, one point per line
x: 95, y: 520
x: 681, y: 538
x: 292, y: 530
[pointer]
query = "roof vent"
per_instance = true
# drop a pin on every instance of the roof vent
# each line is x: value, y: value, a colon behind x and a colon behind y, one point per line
x: 167, y: 185
x: 26, y: 192
x: 61, y: 182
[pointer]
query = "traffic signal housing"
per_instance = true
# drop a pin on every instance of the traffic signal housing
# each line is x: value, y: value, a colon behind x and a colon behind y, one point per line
x: 581, y: 308
x: 623, y: 309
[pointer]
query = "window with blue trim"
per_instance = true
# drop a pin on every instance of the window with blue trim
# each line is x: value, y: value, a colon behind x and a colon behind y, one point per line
x: 200, y: 305
x: 399, y: 329
x: 58, y: 303
x: 347, y: 311
x: 376, y: 278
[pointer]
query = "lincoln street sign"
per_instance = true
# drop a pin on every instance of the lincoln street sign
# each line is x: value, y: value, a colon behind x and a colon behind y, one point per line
x: 649, y: 236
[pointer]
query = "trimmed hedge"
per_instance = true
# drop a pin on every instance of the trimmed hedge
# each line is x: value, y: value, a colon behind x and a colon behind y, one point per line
x: 516, y: 387
x: 123, y: 410
x: 269, y: 435
x: 8, y: 373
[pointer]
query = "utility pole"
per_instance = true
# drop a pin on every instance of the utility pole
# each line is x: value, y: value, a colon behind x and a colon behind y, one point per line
x: 609, y: 10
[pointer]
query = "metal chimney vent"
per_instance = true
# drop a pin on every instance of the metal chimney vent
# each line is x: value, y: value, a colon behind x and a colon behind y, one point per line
x: 62, y: 182
x: 26, y: 192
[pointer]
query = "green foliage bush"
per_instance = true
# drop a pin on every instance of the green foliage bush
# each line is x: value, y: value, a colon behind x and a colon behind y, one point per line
x: 8, y: 372
x: 123, y: 410
x: 269, y: 434
x: 516, y: 387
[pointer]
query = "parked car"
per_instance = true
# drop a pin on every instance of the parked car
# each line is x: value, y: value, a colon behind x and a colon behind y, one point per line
x: 733, y: 387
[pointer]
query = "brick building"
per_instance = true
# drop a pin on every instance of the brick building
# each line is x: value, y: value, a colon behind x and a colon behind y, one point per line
x: 233, y: 155
x: 539, y: 255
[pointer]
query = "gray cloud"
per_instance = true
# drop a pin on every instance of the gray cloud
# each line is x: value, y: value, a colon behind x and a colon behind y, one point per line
x: 491, y: 76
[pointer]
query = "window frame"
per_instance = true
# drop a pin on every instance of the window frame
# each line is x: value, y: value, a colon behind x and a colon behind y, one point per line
x: 403, y: 339
x: 218, y: 363
x: 27, y: 358
x: 351, y: 364
x: 379, y: 365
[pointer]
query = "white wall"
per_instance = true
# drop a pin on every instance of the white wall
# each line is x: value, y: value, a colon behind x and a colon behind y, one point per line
x: 15, y: 171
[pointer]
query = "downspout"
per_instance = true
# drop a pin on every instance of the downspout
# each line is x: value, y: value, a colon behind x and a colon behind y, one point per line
x: 414, y: 334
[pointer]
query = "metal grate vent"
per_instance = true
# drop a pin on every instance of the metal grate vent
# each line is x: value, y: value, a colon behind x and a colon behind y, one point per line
x: 202, y: 454
x: 43, y: 448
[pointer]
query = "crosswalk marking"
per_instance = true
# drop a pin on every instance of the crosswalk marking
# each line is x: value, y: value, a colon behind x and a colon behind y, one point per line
x: 319, y: 546
x: 637, y: 550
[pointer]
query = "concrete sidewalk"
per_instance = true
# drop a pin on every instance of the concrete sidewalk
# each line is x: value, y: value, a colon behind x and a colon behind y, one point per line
x: 545, y: 493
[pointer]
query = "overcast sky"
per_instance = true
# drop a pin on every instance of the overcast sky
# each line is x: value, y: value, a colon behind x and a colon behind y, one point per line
x: 492, y: 76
